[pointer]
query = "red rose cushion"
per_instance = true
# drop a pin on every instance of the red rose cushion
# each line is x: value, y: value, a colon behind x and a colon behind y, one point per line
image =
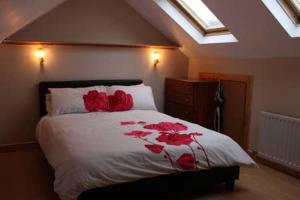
x: 120, y: 101
x: 95, y: 101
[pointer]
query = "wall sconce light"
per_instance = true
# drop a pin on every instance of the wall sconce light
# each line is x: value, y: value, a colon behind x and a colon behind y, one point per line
x: 155, y: 57
x: 40, y: 53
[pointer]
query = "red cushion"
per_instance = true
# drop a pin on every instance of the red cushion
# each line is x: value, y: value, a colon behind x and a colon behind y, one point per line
x: 120, y: 101
x: 95, y: 101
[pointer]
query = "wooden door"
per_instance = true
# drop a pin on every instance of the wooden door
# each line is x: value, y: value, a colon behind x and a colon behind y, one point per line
x: 234, y: 109
x: 237, y: 104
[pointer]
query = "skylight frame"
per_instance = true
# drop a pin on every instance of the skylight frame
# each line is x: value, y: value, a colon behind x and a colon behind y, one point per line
x: 296, y: 6
x: 282, y: 17
x: 199, y: 24
x: 197, y: 35
x: 291, y: 9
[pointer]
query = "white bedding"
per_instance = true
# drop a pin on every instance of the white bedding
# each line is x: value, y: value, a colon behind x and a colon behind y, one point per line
x: 92, y: 150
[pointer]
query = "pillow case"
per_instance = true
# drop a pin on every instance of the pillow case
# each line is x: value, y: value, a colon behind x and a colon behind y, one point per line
x: 48, y: 103
x: 142, y: 95
x: 70, y: 100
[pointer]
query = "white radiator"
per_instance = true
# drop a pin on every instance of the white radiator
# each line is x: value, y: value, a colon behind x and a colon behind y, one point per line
x: 279, y: 139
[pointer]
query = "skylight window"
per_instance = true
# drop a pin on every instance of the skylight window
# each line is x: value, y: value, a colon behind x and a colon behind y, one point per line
x: 292, y: 9
x: 287, y: 13
x: 296, y: 3
x: 200, y: 15
x: 197, y: 21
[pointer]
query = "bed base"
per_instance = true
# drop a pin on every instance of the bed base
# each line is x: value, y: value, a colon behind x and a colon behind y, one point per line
x: 175, y: 186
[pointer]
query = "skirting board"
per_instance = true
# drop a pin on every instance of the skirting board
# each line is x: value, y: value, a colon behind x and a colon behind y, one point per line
x: 274, y: 165
x: 18, y: 147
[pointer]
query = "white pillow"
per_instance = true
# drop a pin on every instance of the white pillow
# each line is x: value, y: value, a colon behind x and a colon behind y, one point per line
x: 142, y: 95
x: 48, y: 103
x: 69, y: 100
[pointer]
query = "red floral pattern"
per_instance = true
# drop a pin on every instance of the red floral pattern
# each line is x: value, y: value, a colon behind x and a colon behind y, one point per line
x: 186, y: 161
x: 138, y: 134
x: 95, y: 101
x: 154, y: 148
x: 195, y: 134
x: 166, y: 126
x: 169, y: 133
x: 120, y: 101
x: 128, y: 123
x: 175, y: 139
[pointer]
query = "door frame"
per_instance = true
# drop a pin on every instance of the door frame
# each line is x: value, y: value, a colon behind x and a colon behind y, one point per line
x: 249, y: 87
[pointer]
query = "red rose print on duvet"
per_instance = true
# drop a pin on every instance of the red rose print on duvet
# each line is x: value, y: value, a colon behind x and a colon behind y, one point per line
x: 128, y: 123
x: 175, y: 139
x: 195, y: 134
x: 138, y: 134
x: 169, y: 134
x: 151, y: 146
x: 166, y: 126
x: 95, y: 101
x: 186, y: 161
x: 154, y: 148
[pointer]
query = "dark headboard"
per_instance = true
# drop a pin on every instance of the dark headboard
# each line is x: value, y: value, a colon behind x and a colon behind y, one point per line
x: 44, y: 86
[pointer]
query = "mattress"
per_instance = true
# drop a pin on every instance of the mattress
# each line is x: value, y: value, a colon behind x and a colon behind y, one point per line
x: 98, y: 149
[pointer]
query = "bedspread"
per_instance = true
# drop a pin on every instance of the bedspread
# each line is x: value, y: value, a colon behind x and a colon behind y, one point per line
x: 97, y: 149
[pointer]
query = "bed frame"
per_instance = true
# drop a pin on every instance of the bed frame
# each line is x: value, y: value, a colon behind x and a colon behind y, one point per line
x: 142, y: 189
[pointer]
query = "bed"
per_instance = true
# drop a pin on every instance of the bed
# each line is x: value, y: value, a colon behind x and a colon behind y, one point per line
x: 99, y: 152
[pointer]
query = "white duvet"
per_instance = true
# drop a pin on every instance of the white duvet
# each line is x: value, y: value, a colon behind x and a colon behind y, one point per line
x: 98, y: 149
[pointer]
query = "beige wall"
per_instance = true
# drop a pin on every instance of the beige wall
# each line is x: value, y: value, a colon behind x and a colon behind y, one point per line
x: 20, y: 75
x: 16, y: 14
x: 94, y: 21
x: 276, y: 84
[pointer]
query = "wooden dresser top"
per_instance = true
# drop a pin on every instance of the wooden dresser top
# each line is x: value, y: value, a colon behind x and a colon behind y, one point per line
x: 194, y: 80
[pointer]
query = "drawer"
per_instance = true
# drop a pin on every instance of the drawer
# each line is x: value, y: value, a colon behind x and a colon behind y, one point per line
x: 175, y: 86
x: 180, y: 111
x: 180, y: 98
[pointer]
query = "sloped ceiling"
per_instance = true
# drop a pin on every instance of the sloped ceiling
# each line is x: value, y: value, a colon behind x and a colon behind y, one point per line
x: 258, y: 32
x: 15, y: 14
x: 93, y: 21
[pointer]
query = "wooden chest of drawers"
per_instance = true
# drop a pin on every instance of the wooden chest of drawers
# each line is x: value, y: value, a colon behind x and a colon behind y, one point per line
x: 191, y: 100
